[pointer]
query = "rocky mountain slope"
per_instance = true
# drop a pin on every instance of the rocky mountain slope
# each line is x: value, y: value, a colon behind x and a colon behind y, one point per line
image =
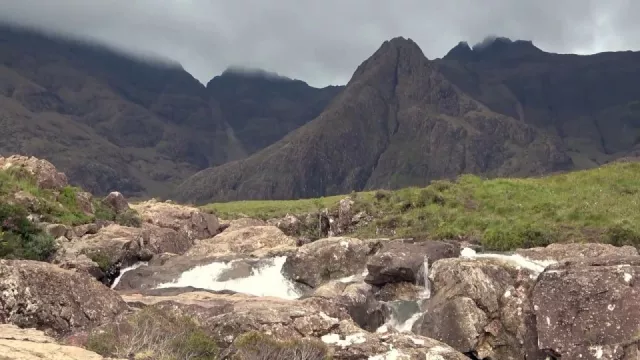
x: 398, y: 122
x: 111, y: 121
x: 591, y: 102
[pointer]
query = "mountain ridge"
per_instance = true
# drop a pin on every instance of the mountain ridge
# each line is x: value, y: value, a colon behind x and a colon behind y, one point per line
x: 394, y: 101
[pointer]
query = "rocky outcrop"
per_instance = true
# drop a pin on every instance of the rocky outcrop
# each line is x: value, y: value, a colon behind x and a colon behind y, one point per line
x: 481, y: 307
x: 329, y: 259
x: 31, y: 344
x: 589, y: 309
x: 403, y: 261
x: 194, y: 222
x: 46, y: 175
x: 258, y: 241
x: 241, y: 223
x: 57, y: 301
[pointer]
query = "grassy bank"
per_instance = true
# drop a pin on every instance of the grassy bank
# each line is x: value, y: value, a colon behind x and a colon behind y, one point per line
x: 601, y: 204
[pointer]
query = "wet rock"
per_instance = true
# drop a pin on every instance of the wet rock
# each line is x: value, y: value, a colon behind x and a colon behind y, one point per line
x: 31, y: 344
x: 46, y: 175
x: 259, y: 241
x: 588, y: 308
x: 117, y: 202
x: 329, y: 259
x: 557, y: 252
x: 402, y: 261
x: 49, y: 298
x: 195, y: 223
x: 481, y: 306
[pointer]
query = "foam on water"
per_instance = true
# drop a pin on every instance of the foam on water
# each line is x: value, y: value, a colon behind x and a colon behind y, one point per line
x: 127, y: 269
x: 265, y: 281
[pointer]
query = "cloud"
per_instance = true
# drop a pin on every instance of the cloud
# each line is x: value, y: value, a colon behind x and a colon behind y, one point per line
x: 322, y: 42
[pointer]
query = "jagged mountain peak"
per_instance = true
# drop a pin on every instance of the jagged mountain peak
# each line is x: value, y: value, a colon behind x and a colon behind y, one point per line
x: 493, y: 48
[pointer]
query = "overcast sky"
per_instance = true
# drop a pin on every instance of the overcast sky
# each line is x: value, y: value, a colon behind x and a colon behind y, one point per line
x: 322, y: 42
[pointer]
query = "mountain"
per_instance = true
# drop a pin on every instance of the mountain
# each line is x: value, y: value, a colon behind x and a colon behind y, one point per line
x: 113, y: 121
x: 591, y: 102
x: 262, y: 108
x: 398, y: 122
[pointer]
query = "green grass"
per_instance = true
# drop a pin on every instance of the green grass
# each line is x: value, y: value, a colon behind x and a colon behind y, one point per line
x: 270, y: 209
x: 601, y: 204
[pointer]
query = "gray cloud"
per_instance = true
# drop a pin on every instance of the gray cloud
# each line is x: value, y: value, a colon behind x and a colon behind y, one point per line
x: 322, y: 42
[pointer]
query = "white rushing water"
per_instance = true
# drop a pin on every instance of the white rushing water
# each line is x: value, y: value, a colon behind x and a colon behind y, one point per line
x: 517, y: 259
x: 426, y: 293
x: 125, y: 270
x: 264, y: 281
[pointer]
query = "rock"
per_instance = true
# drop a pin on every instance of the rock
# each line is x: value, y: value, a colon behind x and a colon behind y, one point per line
x: 481, y: 306
x: 399, y: 291
x: 329, y: 259
x: 80, y: 263
x: 359, y: 300
x: 588, y: 308
x: 348, y: 342
x: 82, y: 230
x: 259, y: 241
x: 26, y: 200
x: 290, y: 225
x: 56, y: 230
x: 163, y: 240
x: 117, y: 202
x: 557, y: 252
x: 402, y: 261
x: 194, y: 222
x: 228, y: 316
x: 31, y: 344
x: 241, y: 223
x: 342, y: 223
x: 57, y: 301
x: 84, y: 202
x: 46, y: 175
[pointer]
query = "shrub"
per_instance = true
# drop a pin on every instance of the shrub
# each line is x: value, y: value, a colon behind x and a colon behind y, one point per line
x: 429, y: 195
x: 154, y: 334
x: 258, y: 346
x: 622, y: 234
x: 383, y: 195
x: 20, y: 238
x: 129, y: 218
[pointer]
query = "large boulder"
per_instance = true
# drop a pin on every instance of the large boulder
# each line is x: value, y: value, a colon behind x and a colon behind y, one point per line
x: 31, y: 344
x: 403, y: 261
x: 590, y: 308
x: 46, y: 175
x: 259, y: 241
x: 52, y: 299
x: 195, y: 223
x: 482, y: 307
x: 237, y: 224
x: 329, y: 259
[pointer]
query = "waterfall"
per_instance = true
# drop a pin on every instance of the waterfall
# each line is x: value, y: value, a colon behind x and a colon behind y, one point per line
x: 426, y: 293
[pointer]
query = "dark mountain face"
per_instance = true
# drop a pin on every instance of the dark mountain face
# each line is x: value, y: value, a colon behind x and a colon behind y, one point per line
x: 261, y: 108
x: 398, y: 122
x: 591, y: 102
x: 114, y: 122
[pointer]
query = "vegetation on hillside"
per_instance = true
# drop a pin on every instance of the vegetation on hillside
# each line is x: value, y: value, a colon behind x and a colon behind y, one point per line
x: 601, y: 205
x: 20, y: 196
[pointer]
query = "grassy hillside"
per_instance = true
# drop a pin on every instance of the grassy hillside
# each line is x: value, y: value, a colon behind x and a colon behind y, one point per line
x: 601, y: 204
